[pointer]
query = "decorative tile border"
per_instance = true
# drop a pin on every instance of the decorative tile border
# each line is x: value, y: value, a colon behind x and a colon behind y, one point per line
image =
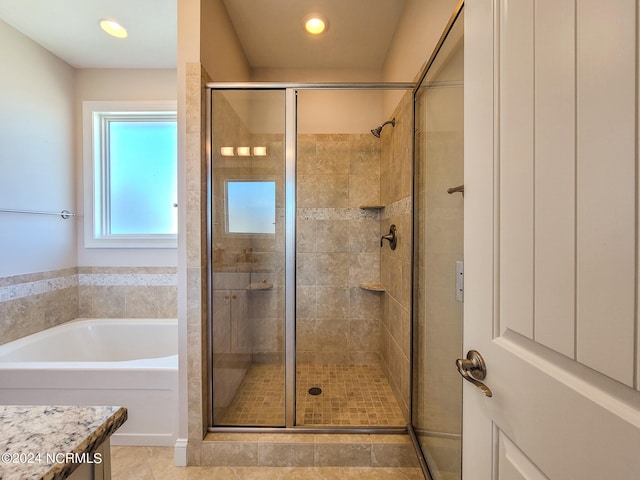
x: 128, y: 279
x: 29, y: 289
x: 397, y: 209
x: 337, y: 213
x: 47, y: 285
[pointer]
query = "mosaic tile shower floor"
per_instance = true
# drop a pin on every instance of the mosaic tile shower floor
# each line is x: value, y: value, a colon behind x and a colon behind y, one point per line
x: 352, y: 395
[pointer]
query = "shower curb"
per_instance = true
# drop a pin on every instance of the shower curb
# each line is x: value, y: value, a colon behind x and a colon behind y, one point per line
x: 308, y: 450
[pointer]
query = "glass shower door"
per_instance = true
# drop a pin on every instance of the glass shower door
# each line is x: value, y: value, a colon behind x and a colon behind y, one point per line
x: 248, y: 257
x: 438, y: 227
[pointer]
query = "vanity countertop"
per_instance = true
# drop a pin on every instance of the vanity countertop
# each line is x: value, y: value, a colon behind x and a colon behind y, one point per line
x: 48, y: 442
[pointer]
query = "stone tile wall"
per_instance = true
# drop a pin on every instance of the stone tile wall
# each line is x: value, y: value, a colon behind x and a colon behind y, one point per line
x: 337, y: 249
x: 196, y: 274
x: 33, y: 302
x: 36, y: 301
x: 127, y: 292
x: 396, y: 177
x: 299, y: 449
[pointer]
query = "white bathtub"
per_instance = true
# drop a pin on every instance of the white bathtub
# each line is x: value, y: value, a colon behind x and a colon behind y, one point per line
x: 128, y: 362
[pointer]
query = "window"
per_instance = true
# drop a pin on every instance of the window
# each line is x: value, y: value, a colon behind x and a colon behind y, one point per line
x: 130, y: 174
x: 251, y: 207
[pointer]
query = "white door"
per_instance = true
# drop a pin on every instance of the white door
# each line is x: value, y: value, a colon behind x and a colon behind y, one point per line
x: 551, y: 239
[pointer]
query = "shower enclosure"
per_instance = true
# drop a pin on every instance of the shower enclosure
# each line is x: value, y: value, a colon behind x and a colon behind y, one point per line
x: 335, y: 256
x: 310, y: 313
x: 438, y: 257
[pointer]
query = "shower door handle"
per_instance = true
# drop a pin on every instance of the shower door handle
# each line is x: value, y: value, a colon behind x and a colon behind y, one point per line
x: 473, y: 369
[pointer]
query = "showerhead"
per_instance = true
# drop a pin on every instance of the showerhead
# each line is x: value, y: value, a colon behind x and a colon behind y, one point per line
x: 376, y: 131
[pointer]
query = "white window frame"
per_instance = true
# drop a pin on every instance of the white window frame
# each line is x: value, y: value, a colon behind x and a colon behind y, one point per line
x: 96, y: 115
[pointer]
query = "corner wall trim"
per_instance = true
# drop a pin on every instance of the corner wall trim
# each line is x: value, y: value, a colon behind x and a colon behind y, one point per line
x: 180, y: 452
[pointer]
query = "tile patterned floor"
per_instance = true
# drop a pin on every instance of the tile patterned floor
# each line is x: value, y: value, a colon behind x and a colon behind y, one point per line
x: 352, y: 395
x: 156, y: 463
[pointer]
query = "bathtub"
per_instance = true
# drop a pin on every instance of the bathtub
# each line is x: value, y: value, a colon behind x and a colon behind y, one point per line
x: 128, y: 362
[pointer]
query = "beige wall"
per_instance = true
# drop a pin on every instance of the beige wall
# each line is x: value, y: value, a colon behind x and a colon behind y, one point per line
x: 40, y: 284
x: 220, y: 51
x: 117, y: 85
x: 417, y: 34
x: 36, y: 158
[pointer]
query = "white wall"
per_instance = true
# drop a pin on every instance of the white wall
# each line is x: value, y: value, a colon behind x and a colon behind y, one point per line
x: 118, y: 84
x: 36, y: 156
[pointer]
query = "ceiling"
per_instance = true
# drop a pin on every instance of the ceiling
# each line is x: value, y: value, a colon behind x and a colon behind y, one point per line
x: 270, y: 31
x: 69, y: 29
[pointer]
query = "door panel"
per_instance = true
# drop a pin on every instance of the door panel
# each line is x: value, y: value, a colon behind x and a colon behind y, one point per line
x: 513, y: 464
x: 606, y: 84
x: 550, y: 239
x: 516, y: 195
x: 247, y: 240
x: 554, y: 203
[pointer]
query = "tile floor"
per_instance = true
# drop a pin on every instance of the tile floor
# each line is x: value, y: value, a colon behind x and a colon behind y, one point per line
x: 353, y: 395
x: 156, y: 463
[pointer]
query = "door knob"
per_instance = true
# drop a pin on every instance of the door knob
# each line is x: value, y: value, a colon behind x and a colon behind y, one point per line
x: 473, y: 369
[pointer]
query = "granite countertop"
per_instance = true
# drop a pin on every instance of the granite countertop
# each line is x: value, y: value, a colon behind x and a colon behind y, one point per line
x: 48, y: 442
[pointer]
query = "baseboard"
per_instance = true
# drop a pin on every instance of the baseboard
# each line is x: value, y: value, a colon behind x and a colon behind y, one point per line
x: 180, y: 452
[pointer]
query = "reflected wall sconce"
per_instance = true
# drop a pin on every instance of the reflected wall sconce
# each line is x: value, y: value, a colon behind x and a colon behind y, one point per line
x: 259, y: 151
x: 243, y: 151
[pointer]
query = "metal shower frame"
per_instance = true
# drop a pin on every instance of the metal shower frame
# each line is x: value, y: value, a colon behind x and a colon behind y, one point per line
x: 290, y: 90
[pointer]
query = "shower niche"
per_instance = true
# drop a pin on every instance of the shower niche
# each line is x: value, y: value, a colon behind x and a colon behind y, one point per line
x: 303, y: 297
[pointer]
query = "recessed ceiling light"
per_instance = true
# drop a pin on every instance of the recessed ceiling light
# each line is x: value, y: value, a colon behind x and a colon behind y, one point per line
x: 113, y: 28
x: 315, y: 24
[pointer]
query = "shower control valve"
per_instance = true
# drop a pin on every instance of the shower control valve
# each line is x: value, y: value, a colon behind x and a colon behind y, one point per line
x: 391, y: 237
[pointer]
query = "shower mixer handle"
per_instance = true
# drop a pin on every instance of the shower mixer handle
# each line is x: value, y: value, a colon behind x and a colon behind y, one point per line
x: 391, y: 237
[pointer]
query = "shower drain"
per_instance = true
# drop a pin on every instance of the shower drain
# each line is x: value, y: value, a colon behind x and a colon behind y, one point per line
x: 315, y: 391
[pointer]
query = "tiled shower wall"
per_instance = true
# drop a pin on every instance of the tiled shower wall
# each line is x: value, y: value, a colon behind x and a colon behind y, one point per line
x: 33, y: 302
x: 337, y: 249
x: 396, y: 177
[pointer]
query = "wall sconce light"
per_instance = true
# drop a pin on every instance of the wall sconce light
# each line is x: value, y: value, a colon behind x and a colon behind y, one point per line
x: 243, y: 151
x: 227, y: 151
x: 259, y: 151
